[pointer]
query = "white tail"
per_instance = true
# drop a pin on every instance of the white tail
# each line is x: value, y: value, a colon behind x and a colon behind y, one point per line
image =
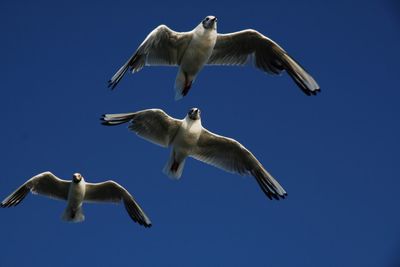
x: 180, y: 83
x: 173, y: 169
x: 73, y: 216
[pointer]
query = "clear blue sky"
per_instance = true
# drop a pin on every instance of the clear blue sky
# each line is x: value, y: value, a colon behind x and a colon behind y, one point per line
x: 337, y: 154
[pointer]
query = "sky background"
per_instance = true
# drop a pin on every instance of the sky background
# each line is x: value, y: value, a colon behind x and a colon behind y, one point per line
x: 336, y: 154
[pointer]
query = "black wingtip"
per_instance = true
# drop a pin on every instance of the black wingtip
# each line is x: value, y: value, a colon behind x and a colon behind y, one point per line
x: 309, y: 92
x: 103, y: 120
x: 111, y: 85
x: 276, y: 196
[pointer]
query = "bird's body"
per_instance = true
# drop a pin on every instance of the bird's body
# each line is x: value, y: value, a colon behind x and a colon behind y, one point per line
x: 76, y: 196
x: 202, y: 46
x: 182, y: 146
x: 75, y: 193
x: 195, y: 57
x: 188, y: 138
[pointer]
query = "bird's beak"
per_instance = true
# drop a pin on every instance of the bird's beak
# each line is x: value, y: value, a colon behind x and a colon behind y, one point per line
x: 77, y: 178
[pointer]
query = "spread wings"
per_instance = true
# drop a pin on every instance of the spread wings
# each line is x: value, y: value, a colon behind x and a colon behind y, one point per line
x: 238, y: 47
x: 111, y: 191
x: 46, y: 184
x: 230, y: 155
x: 162, y: 46
x: 153, y: 125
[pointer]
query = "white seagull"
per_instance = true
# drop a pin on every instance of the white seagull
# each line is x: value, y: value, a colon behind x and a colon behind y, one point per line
x: 204, y: 46
x: 75, y: 193
x: 188, y: 138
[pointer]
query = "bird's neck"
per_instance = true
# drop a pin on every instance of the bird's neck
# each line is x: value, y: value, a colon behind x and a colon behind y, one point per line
x: 191, y: 124
x: 200, y: 30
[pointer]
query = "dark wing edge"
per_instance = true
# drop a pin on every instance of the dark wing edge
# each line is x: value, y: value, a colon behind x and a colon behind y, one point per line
x: 213, y: 149
x: 153, y: 125
x: 160, y: 46
x: 45, y: 183
x: 111, y: 191
x: 239, y: 47
x: 16, y: 197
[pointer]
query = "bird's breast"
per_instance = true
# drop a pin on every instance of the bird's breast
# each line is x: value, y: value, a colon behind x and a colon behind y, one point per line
x: 76, y: 194
x: 187, y: 137
x: 198, y: 52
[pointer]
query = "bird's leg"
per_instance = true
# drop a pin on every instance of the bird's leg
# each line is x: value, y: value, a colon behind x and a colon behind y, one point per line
x: 174, y: 166
x: 187, y: 86
x: 72, y: 213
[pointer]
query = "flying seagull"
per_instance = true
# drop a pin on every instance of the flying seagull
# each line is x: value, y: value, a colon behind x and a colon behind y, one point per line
x: 75, y: 193
x: 188, y: 138
x: 204, y: 46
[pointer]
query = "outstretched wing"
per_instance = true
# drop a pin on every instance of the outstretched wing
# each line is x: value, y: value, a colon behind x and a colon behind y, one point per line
x: 111, y: 191
x: 162, y: 46
x: 153, y: 125
x: 230, y: 155
x: 46, y: 184
x: 238, y: 47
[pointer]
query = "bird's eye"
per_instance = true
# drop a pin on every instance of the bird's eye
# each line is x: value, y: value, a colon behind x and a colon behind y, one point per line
x: 207, y: 19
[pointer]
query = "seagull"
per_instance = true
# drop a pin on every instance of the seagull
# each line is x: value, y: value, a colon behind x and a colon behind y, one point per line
x: 188, y: 138
x: 190, y: 51
x: 76, y: 192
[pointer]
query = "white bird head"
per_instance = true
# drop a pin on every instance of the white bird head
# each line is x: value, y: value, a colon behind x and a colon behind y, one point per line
x: 194, y: 114
x: 77, y: 177
x: 210, y: 23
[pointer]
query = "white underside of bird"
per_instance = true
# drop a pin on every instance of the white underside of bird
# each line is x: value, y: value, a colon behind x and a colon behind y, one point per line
x: 183, y: 145
x: 195, y: 57
x: 76, y: 196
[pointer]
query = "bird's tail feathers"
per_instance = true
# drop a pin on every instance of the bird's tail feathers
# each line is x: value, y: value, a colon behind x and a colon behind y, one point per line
x: 174, y: 169
x: 116, y: 119
x: 180, y: 82
x: 183, y: 83
x: 70, y: 215
x: 300, y: 76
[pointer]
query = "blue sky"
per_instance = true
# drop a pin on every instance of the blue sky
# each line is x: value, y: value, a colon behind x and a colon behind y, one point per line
x: 336, y: 154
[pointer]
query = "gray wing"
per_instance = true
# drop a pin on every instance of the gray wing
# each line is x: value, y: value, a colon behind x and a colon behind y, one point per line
x: 111, y: 191
x: 46, y: 184
x: 162, y: 46
x: 238, y: 47
x: 230, y: 155
x: 153, y: 125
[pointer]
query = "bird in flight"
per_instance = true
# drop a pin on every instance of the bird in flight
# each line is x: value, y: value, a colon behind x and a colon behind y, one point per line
x: 188, y: 138
x: 76, y: 192
x: 192, y: 50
